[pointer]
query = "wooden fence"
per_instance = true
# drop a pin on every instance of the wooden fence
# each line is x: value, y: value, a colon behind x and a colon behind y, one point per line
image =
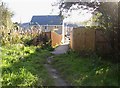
x: 56, y: 39
x: 102, y: 43
x: 82, y: 40
x: 89, y: 40
x: 53, y: 36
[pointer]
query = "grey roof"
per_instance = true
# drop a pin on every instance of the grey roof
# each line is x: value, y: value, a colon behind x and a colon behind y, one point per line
x: 47, y: 20
x: 24, y: 25
x: 71, y: 25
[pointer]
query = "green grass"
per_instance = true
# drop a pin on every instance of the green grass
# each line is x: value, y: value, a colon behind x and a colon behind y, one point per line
x: 24, y: 66
x: 86, y: 71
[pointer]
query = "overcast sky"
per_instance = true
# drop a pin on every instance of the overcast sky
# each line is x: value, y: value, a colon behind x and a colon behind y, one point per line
x: 25, y: 9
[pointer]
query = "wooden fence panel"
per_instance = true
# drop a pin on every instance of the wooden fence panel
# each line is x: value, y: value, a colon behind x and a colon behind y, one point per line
x: 102, y: 43
x: 83, y: 39
x: 56, y: 39
x: 71, y: 40
x: 89, y: 40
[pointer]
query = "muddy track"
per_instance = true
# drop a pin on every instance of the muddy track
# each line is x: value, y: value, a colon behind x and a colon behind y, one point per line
x: 52, y: 71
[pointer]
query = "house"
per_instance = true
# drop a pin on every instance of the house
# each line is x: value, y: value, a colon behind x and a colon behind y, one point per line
x: 47, y: 23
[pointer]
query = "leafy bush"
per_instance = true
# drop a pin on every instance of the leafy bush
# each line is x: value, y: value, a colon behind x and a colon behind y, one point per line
x: 23, y: 66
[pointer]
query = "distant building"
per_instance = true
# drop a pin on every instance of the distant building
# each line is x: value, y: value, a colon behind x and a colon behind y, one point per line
x: 47, y: 23
x: 25, y: 26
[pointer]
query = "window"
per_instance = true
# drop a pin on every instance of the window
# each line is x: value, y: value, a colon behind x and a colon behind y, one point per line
x: 56, y: 26
x: 45, y: 27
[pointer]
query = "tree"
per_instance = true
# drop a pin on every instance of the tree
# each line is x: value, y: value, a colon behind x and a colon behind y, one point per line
x: 5, y: 16
x: 108, y: 20
x: 107, y: 9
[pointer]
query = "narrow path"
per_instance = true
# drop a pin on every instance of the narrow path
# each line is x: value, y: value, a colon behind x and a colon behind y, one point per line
x: 53, y: 72
x: 61, y: 49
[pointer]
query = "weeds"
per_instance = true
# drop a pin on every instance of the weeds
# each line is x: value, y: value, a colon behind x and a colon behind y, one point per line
x: 23, y: 66
x: 87, y: 71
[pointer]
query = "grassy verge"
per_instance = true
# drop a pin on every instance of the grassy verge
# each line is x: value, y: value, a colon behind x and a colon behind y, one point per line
x: 87, y: 71
x: 23, y: 66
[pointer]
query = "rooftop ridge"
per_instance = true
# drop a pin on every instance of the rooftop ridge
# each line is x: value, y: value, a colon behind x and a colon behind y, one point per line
x: 47, y: 19
x: 46, y: 15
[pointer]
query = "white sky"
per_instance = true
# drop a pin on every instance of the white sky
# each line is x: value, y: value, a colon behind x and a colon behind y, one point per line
x: 77, y: 17
x: 25, y: 9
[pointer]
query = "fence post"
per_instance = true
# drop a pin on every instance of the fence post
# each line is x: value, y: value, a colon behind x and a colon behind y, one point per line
x: 63, y: 33
x: 95, y: 43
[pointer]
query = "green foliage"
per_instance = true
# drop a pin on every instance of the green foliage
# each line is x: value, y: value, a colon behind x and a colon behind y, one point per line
x: 13, y: 38
x: 40, y: 40
x: 5, y: 16
x: 105, y: 17
x: 47, y: 46
x: 87, y: 71
x: 24, y: 66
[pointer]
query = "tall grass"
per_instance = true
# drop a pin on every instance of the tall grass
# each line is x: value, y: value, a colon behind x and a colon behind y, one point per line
x: 22, y: 65
x: 87, y: 71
